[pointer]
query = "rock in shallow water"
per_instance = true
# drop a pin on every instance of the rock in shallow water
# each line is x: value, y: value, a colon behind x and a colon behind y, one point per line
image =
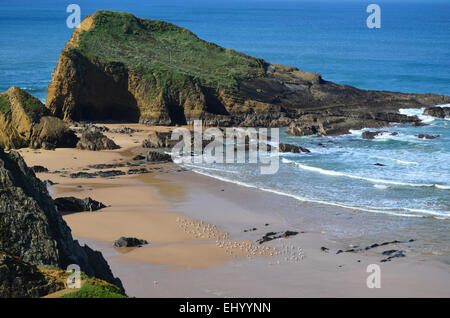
x: 291, y: 148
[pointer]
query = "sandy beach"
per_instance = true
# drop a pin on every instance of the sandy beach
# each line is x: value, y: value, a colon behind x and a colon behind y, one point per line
x: 203, y: 234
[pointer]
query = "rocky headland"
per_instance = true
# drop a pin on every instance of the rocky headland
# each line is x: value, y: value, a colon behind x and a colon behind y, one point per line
x: 119, y: 67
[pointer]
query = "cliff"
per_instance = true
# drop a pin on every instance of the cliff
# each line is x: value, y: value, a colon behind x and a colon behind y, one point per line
x: 24, y: 121
x: 119, y: 67
x: 32, y: 231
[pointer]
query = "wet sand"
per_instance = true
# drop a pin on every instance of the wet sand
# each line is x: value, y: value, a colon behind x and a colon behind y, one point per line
x: 203, y: 242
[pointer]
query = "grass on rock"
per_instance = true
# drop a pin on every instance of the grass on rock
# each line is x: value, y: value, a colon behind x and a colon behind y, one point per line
x: 165, y: 52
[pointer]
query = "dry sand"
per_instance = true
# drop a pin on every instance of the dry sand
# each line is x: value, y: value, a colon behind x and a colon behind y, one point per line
x: 201, y: 238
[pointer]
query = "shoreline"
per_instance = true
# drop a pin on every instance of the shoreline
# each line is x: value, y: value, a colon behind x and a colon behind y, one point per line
x: 179, y: 264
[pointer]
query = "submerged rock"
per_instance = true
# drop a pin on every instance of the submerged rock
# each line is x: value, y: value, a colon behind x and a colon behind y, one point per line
x: 426, y: 136
x: 154, y: 156
x: 129, y: 242
x: 291, y: 148
x: 370, y: 134
x: 72, y: 204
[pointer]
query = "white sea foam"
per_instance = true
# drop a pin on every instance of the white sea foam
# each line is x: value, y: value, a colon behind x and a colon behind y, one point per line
x: 382, y: 210
x: 417, y: 112
x: 209, y: 169
x: 347, y: 175
x: 381, y: 186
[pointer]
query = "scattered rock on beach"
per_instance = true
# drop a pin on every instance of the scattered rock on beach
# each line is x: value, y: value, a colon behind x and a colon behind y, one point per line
x: 39, y: 169
x: 393, y: 254
x: 95, y: 141
x: 82, y: 174
x: 138, y: 171
x: 72, y: 205
x: 107, y: 166
x: 276, y: 235
x: 124, y: 130
x: 110, y: 173
x: 154, y: 156
x: 139, y: 157
x: 129, y: 242
x: 159, y: 140
x: 102, y: 174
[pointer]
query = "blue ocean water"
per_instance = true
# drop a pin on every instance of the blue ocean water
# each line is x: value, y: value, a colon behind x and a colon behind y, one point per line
x: 410, y: 53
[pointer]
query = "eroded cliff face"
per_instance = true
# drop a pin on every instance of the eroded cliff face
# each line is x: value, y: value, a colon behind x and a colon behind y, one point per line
x: 33, y: 231
x: 119, y: 67
x: 24, y: 121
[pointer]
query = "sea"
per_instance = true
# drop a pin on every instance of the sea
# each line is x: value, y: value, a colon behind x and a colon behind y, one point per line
x: 397, y: 175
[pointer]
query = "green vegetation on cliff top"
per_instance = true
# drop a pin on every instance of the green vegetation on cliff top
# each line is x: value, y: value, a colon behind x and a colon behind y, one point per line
x: 31, y: 105
x: 164, y: 51
x: 4, y: 104
x: 96, y: 288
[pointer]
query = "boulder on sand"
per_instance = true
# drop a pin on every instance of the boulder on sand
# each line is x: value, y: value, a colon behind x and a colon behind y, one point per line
x: 129, y: 242
x: 95, y: 141
x: 155, y: 156
x: 72, y: 204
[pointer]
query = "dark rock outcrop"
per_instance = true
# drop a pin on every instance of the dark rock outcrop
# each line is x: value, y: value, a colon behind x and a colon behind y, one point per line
x: 39, y: 169
x: 95, y: 141
x: 129, y: 242
x: 102, y: 174
x: 338, y: 122
x: 370, y: 134
x: 155, y: 156
x: 112, y: 83
x: 439, y: 112
x: 274, y: 235
x: 291, y: 148
x: 426, y: 136
x: 71, y: 205
x: 33, y: 230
